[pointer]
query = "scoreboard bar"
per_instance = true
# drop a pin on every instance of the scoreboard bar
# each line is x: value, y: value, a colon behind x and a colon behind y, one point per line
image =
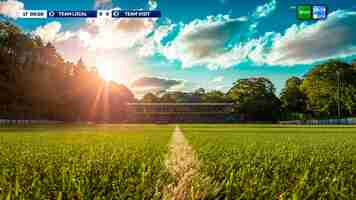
x: 90, y: 14
x: 72, y: 13
x: 136, y: 14
x: 39, y: 14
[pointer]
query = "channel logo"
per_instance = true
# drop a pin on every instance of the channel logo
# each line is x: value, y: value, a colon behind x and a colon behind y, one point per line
x: 312, y: 12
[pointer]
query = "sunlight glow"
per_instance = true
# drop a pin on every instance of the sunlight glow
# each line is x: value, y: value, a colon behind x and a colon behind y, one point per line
x: 106, y: 73
x: 115, y: 67
x: 105, y: 69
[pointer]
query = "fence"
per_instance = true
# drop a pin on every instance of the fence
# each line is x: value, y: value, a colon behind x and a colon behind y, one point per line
x: 24, y: 122
x: 349, y: 121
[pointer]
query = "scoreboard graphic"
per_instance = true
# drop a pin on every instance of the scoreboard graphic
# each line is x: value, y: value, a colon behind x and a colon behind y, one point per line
x: 312, y: 12
x: 38, y: 14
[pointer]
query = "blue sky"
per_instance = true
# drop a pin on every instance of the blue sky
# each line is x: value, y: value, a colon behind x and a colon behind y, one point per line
x: 200, y: 43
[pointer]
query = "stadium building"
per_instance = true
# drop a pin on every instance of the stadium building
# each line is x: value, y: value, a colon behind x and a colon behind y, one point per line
x: 180, y: 112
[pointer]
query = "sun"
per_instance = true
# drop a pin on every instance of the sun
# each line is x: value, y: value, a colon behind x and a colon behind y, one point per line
x: 106, y: 73
x: 105, y: 69
x: 115, y: 68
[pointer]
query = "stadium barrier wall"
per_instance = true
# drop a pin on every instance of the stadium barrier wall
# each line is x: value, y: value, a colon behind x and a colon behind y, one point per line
x: 347, y: 121
x: 24, y: 122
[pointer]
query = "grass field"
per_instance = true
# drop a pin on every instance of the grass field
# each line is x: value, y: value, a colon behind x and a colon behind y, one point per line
x: 272, y: 162
x: 129, y: 161
x: 83, y: 162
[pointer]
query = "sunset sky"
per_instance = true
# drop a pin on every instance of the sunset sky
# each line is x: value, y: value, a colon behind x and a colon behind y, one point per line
x: 196, y: 43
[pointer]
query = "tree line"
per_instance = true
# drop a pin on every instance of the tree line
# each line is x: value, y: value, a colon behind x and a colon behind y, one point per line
x: 37, y: 83
x: 328, y: 90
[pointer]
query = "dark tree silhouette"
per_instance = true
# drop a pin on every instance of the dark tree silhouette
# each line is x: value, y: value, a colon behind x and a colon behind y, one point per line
x: 36, y: 83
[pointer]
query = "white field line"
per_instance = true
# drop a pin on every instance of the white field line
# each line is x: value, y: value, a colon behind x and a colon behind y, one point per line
x: 184, y: 166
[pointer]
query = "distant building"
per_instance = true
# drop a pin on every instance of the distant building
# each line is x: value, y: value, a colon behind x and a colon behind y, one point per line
x: 354, y: 63
x: 180, y: 112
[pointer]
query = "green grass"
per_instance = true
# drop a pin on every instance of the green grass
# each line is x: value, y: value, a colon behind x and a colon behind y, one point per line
x: 127, y: 161
x: 84, y: 162
x: 276, y: 162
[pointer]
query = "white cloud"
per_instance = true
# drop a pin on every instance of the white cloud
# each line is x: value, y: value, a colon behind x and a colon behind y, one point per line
x: 218, y: 41
x: 97, y: 47
x: 103, y: 4
x: 117, y: 33
x: 223, y: 88
x: 155, y: 82
x: 214, y: 41
x: 72, y: 47
x: 306, y: 44
x: 242, y: 18
x: 49, y: 32
x: 145, y: 85
x: 152, y: 45
x: 100, y: 34
x: 203, y: 42
x: 218, y: 79
x: 266, y: 9
x: 162, y: 31
x: 152, y: 4
x: 149, y: 48
x: 11, y: 8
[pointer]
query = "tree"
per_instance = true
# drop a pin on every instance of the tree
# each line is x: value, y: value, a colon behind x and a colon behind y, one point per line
x: 325, y: 94
x: 49, y: 54
x: 35, y: 81
x: 81, y: 64
x: 255, y: 99
x: 199, y: 92
x: 354, y: 63
x: 292, y: 98
x: 168, y: 98
x: 181, y: 97
x: 216, y: 96
x: 150, y: 98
